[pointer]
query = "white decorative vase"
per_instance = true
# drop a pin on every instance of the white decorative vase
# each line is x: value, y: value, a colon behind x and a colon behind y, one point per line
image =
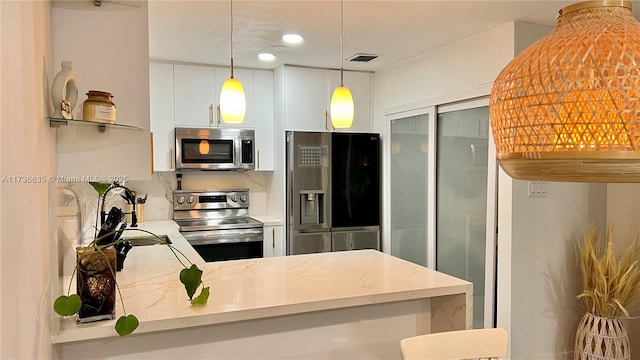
x: 601, y: 338
x: 64, y: 92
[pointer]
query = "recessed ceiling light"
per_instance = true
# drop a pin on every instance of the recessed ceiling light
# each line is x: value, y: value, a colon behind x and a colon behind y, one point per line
x: 292, y: 38
x: 266, y: 56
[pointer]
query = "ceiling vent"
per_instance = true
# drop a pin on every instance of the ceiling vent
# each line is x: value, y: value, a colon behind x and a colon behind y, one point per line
x: 362, y: 57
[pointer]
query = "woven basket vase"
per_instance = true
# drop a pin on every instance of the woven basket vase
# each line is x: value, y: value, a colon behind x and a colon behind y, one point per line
x: 567, y: 108
x: 601, y: 338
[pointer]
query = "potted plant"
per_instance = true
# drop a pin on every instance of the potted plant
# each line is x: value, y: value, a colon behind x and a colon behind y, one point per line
x: 611, y: 291
x: 96, y: 282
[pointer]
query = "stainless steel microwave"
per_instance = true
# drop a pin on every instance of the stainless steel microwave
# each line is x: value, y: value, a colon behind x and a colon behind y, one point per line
x: 214, y: 149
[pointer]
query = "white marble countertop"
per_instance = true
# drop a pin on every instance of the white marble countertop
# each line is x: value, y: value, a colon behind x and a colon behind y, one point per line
x: 268, y: 220
x: 255, y: 288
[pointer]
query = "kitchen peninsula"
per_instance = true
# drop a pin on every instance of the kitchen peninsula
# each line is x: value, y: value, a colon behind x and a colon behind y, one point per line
x: 355, y: 304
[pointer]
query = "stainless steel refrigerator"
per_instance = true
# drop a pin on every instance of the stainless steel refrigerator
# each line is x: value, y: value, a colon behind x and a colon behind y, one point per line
x: 333, y: 191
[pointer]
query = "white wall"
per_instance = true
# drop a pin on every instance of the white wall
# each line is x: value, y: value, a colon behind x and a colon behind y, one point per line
x: 25, y: 326
x: 545, y: 275
x: 623, y: 213
x: 458, y: 71
x: 537, y: 282
x: 109, y: 48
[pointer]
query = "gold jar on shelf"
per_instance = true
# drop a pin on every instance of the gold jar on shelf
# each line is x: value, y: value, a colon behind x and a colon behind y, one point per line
x: 99, y: 107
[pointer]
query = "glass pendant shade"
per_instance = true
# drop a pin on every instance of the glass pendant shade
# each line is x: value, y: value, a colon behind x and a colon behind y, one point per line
x: 341, y: 108
x: 233, y: 104
x: 568, y: 107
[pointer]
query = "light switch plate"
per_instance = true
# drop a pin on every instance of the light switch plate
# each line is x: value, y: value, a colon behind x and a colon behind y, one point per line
x: 537, y: 189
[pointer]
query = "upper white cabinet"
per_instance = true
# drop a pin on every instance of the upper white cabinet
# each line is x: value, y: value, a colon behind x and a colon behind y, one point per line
x: 306, y: 99
x: 162, y: 122
x: 195, y: 95
x: 306, y: 96
x: 263, y: 119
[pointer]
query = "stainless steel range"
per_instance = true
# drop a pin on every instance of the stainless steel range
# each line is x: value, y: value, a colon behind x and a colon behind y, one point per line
x: 217, y: 223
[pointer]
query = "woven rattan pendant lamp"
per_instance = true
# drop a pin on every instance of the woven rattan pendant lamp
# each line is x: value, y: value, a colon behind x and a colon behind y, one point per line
x: 568, y: 107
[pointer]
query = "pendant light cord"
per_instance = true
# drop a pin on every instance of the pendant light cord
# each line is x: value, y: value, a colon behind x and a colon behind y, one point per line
x: 232, y: 39
x: 341, y: 42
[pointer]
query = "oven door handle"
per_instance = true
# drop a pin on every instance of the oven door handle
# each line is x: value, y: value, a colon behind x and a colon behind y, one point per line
x: 213, y: 237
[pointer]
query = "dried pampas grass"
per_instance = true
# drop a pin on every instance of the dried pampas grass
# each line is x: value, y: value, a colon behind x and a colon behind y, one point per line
x: 611, y: 283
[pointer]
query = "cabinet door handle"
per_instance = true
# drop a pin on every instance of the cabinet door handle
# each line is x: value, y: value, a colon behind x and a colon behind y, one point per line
x: 326, y: 117
x: 151, y: 152
x: 172, y: 159
x: 273, y: 238
x: 258, y: 159
x: 218, y: 116
x: 210, y: 114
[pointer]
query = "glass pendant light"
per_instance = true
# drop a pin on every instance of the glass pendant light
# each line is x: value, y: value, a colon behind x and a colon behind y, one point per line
x: 566, y: 108
x: 341, y: 100
x: 233, y: 103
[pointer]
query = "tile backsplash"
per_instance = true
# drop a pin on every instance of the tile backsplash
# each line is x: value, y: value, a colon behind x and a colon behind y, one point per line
x: 77, y: 203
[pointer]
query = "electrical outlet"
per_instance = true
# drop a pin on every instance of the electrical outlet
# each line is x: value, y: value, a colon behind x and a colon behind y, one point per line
x: 537, y: 189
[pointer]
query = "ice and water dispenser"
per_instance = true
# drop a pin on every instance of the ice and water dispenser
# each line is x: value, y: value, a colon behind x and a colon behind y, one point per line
x: 312, y: 207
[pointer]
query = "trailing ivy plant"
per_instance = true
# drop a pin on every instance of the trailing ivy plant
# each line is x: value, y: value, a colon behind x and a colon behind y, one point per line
x: 190, y: 276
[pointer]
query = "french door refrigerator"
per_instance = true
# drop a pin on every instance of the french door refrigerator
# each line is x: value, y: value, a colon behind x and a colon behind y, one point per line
x: 333, y: 191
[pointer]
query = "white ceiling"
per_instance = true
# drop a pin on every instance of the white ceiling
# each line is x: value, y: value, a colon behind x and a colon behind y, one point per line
x: 199, y: 31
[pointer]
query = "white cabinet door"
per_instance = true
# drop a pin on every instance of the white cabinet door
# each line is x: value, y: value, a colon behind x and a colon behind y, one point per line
x: 306, y: 99
x: 263, y: 119
x: 359, y: 83
x: 273, y: 241
x: 194, y: 91
x: 246, y: 79
x: 161, y: 103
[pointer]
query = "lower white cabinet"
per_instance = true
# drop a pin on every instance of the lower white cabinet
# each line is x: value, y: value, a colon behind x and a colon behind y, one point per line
x: 273, y: 241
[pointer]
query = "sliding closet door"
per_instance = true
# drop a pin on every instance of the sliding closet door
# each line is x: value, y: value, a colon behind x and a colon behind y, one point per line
x: 465, y: 217
x: 408, y: 179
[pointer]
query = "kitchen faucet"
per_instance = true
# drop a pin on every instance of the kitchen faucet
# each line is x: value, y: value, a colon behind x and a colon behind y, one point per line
x: 129, y: 195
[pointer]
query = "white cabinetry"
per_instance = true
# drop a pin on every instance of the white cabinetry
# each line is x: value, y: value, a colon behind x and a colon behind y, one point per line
x: 162, y: 123
x: 194, y: 95
x: 307, y: 98
x: 263, y: 118
x: 197, y: 95
x: 273, y: 241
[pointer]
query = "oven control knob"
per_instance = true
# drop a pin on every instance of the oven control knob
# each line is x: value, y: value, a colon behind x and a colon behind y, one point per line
x: 180, y: 199
x: 190, y: 200
x: 234, y: 197
x: 243, y: 197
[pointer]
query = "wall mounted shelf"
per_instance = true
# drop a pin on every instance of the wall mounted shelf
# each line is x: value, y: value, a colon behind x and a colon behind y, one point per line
x: 57, y: 122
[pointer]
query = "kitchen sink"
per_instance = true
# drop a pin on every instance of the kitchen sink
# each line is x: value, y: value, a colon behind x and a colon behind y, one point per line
x: 148, y: 240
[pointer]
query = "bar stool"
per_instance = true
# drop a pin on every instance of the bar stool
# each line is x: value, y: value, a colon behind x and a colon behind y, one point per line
x: 456, y: 345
